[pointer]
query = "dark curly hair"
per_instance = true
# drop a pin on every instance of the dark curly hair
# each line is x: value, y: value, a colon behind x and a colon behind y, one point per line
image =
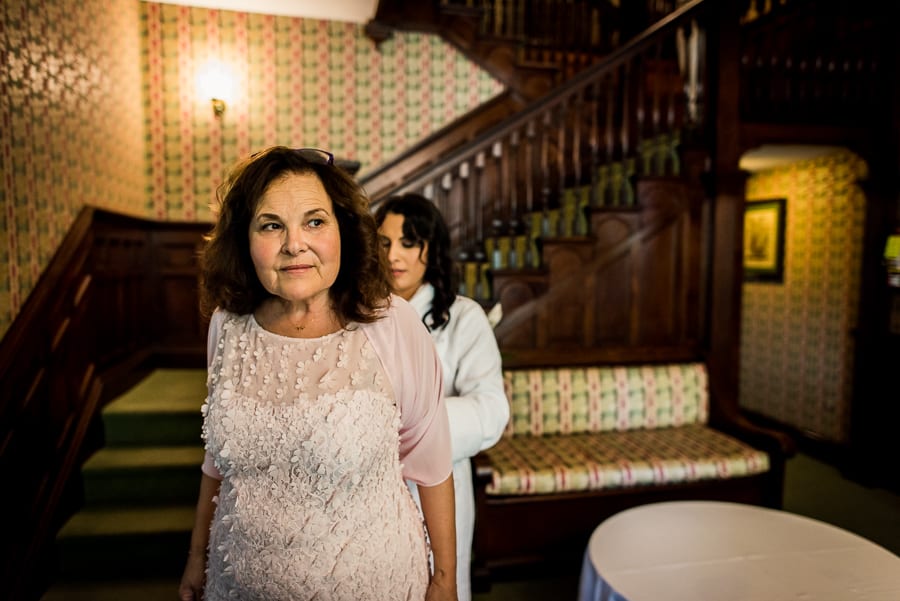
x: 423, y: 222
x: 228, y: 277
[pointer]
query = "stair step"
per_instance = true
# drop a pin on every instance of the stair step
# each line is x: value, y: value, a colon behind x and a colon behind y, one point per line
x: 140, y: 489
x: 125, y: 543
x: 142, y: 475
x: 163, y: 409
x: 125, y: 521
x: 166, y: 390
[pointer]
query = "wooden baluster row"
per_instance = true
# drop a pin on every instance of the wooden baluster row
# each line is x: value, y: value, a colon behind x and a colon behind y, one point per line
x: 537, y: 178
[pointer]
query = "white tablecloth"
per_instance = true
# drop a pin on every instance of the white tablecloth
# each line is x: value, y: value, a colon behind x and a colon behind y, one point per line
x: 701, y: 550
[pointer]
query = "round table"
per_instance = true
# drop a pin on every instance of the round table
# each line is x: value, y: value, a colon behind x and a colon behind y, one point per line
x: 705, y: 550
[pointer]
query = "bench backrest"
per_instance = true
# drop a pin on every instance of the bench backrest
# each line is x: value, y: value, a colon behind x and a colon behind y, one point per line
x: 595, y: 399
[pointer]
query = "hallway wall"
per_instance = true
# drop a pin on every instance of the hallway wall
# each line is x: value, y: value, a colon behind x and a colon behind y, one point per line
x: 71, y: 128
x: 297, y: 82
x: 99, y: 106
x: 796, y: 336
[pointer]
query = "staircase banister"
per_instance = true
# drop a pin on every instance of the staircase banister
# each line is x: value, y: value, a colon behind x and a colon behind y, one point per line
x: 391, y: 174
x: 577, y: 84
x: 48, y: 285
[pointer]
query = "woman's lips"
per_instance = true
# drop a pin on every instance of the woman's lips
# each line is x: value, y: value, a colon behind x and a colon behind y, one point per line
x: 296, y: 268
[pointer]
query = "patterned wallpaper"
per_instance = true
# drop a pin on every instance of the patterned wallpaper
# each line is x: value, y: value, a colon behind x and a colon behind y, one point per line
x: 71, y: 130
x: 99, y: 105
x: 297, y: 82
x: 796, y: 344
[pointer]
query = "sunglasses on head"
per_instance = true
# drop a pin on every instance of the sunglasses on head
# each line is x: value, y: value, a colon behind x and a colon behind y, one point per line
x: 316, y: 155
x: 312, y: 155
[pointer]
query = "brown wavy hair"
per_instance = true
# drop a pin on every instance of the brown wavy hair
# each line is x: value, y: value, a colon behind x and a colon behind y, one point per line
x: 228, y: 278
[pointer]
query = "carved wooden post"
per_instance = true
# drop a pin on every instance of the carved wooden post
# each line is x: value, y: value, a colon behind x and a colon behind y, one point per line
x: 727, y: 270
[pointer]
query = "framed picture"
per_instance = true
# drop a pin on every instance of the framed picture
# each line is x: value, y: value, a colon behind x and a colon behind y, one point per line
x: 764, y: 240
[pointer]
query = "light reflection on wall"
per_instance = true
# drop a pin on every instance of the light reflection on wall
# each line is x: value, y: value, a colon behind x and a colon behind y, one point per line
x: 216, y: 82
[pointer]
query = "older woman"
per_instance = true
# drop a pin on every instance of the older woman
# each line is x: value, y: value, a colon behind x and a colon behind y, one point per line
x: 324, y: 394
x: 418, y: 245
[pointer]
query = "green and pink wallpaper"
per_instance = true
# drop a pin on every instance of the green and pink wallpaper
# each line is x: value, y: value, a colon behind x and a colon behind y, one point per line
x: 296, y: 82
x: 796, y: 341
x: 99, y: 105
x: 71, y: 128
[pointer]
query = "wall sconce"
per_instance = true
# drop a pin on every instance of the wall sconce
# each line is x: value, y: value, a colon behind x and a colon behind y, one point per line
x: 215, y: 81
x: 218, y: 106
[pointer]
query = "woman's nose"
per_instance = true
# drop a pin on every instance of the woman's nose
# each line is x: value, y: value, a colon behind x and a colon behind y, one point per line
x: 392, y: 253
x: 294, y: 244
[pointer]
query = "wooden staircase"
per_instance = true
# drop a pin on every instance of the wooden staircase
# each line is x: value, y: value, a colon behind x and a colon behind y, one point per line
x: 562, y: 210
x: 531, y: 47
x: 595, y: 215
x: 140, y: 489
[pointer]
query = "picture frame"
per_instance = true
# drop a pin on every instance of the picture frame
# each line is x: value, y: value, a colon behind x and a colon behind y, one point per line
x: 764, y: 226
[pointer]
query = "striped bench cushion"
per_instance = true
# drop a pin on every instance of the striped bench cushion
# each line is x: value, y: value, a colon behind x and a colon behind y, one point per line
x: 526, y: 465
x: 607, y: 398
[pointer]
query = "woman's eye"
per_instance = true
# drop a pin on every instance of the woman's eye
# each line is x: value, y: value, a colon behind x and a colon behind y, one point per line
x: 408, y: 243
x: 385, y: 242
x: 268, y: 227
x: 316, y: 222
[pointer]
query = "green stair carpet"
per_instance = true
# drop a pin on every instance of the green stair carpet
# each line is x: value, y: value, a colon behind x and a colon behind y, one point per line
x: 140, y: 489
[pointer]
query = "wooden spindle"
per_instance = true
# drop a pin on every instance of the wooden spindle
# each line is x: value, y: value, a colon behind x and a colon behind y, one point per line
x: 640, y: 112
x: 561, y: 167
x: 530, y: 135
x: 609, y: 130
x: 561, y: 146
x: 501, y: 196
x: 545, y: 162
x: 656, y: 112
x: 478, y: 197
x: 579, y: 226
x: 578, y: 115
x: 594, y: 143
x: 513, y: 182
x: 446, y: 186
x: 625, y: 132
x: 465, y: 206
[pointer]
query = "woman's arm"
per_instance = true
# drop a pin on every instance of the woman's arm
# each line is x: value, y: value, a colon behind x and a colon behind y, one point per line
x: 476, y: 401
x: 438, y: 508
x: 194, y: 578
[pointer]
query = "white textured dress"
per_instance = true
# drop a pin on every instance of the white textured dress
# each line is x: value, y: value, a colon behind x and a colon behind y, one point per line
x: 307, y: 436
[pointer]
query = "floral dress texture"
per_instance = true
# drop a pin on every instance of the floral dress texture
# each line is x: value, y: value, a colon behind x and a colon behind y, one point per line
x: 312, y: 503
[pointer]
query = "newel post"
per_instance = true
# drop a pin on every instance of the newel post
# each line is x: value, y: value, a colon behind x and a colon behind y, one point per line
x: 723, y: 53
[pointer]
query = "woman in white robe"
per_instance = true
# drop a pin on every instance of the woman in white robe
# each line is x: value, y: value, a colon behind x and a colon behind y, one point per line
x: 418, y: 245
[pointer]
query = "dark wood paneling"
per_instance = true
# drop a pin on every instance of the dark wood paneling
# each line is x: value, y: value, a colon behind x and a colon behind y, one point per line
x: 630, y: 288
x: 175, y: 253
x: 119, y: 292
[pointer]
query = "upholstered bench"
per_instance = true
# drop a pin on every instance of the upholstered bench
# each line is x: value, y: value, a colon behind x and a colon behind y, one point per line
x: 583, y: 443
